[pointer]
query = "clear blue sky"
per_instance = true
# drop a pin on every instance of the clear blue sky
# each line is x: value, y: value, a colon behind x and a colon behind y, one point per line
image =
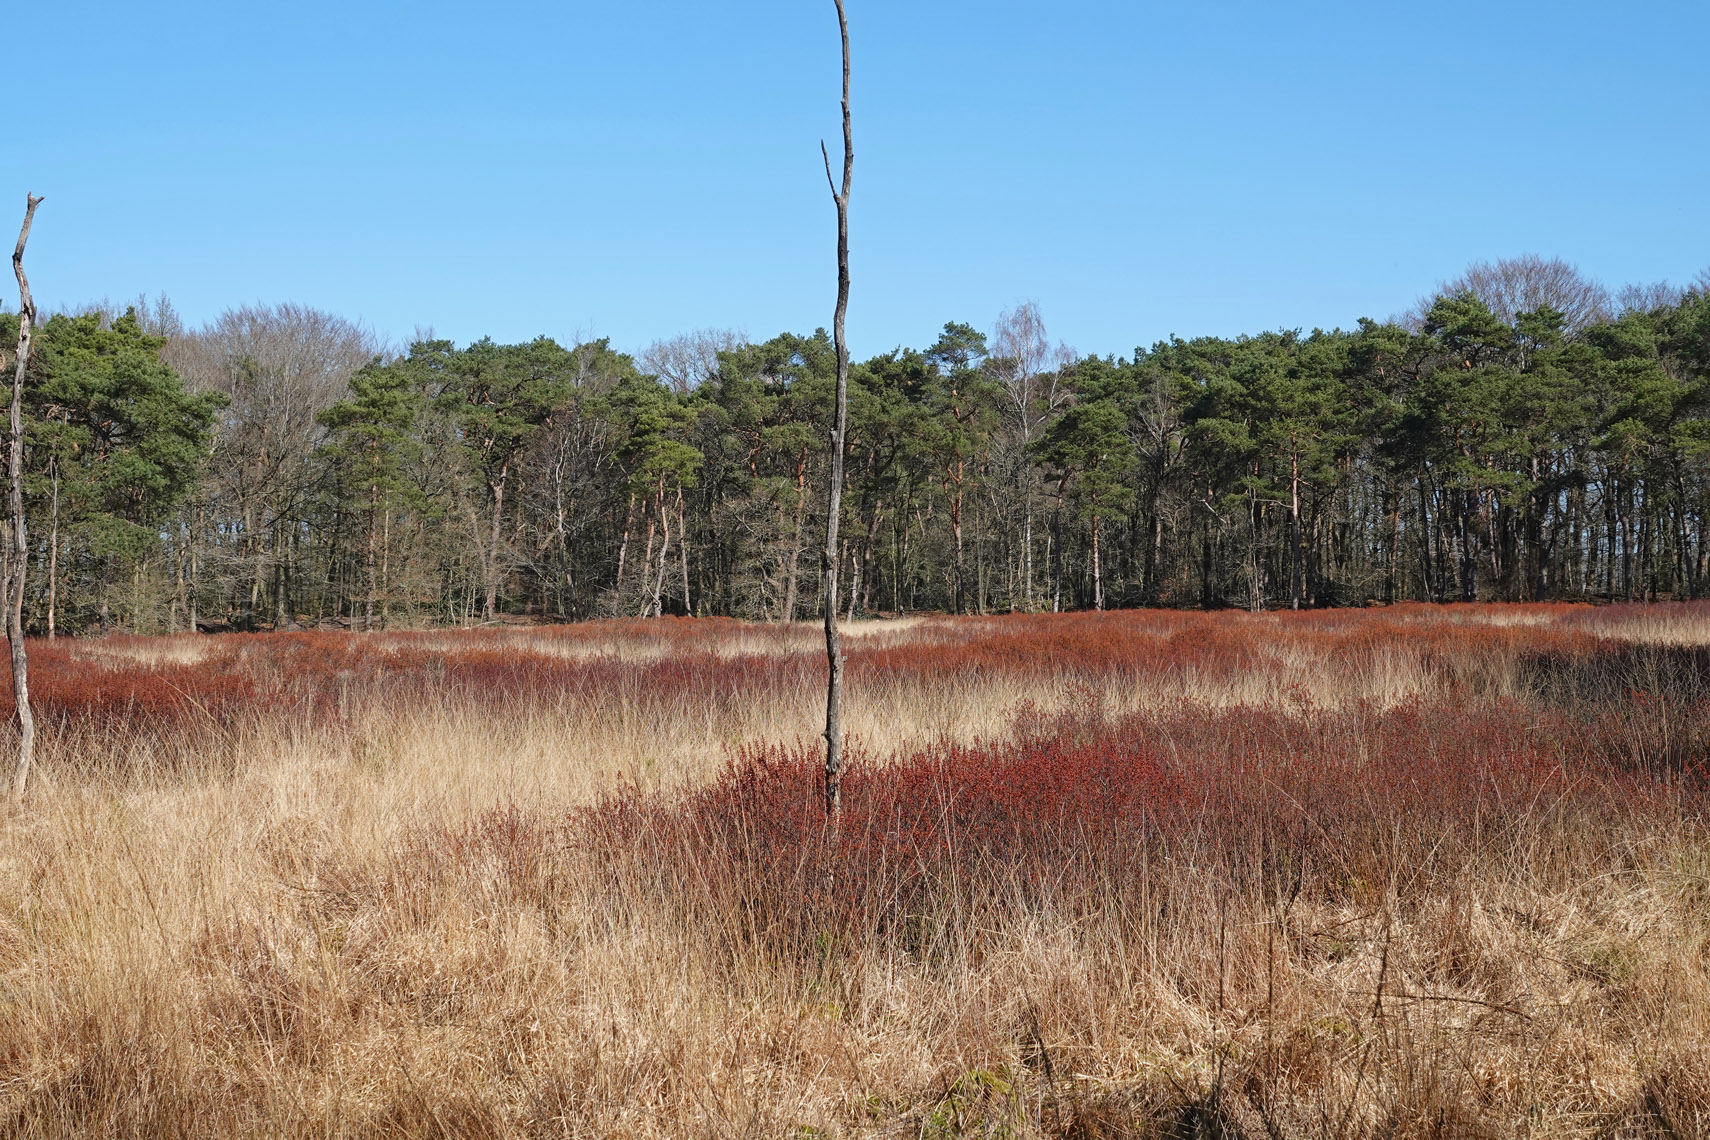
x: 639, y: 169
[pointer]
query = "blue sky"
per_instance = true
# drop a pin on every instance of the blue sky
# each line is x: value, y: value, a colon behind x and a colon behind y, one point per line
x: 635, y: 170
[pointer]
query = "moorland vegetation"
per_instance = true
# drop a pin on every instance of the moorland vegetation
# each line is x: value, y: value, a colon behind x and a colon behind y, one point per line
x: 1403, y: 871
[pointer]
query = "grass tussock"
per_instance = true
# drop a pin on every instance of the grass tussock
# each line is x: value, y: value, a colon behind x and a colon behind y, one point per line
x: 1405, y: 873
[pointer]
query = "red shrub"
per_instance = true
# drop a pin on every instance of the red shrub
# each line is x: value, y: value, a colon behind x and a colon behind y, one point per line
x: 1075, y: 813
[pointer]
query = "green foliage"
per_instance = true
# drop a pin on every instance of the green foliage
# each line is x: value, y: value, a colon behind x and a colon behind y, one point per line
x: 118, y: 423
x: 114, y: 443
x: 1525, y: 456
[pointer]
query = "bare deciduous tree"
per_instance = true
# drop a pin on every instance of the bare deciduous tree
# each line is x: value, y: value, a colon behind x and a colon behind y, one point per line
x: 1648, y: 298
x: 1514, y: 285
x: 279, y: 366
x: 685, y: 361
x: 155, y: 318
x: 1031, y: 371
x: 15, y: 508
x: 833, y: 650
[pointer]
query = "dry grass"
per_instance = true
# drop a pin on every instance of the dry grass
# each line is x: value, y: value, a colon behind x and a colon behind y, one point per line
x: 381, y: 914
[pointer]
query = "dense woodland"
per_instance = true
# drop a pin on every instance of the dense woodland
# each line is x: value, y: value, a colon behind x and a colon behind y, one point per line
x: 1521, y: 435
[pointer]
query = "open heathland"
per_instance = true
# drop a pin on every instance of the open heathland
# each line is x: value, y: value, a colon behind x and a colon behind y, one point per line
x: 1411, y: 871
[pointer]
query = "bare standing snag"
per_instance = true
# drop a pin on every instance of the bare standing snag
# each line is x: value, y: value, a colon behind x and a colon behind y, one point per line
x: 15, y: 502
x: 838, y: 433
x: 833, y: 651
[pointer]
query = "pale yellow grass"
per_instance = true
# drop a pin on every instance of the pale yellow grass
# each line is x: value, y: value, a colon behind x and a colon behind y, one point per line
x: 120, y: 653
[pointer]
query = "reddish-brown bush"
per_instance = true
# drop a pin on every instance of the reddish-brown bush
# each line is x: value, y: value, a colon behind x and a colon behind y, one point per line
x: 1075, y: 813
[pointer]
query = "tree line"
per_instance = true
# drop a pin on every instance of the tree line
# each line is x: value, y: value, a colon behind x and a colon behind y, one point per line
x: 1519, y: 436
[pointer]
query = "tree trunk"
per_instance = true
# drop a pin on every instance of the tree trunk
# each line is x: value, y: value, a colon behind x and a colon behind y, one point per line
x: 683, y: 554
x: 1205, y: 585
x: 1688, y: 567
x: 1057, y: 551
x: 623, y: 548
x: 1391, y: 585
x: 1097, y: 573
x: 1027, y: 551
x: 793, y: 574
x: 863, y: 570
x: 833, y: 649
x: 491, y: 604
x: 1627, y: 541
x: 179, y: 598
x: 647, y: 566
x: 1294, y: 530
x: 854, y: 583
x: 53, y: 549
x: 15, y: 507
x: 371, y: 562
x: 664, y: 550
x: 956, y: 528
x: 385, y: 581
x: 1469, y: 555
x: 194, y: 601
x: 1255, y: 572
x: 1154, y: 547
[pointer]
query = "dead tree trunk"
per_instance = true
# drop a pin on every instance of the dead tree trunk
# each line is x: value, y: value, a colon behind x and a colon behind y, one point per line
x: 833, y: 650
x: 15, y: 505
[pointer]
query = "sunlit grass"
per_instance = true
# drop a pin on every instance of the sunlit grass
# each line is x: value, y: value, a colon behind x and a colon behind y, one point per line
x: 1352, y: 873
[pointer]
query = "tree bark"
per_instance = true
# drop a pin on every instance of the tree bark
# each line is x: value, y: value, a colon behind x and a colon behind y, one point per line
x: 862, y: 569
x: 1097, y: 570
x: 491, y: 602
x: 1057, y: 550
x: 683, y: 553
x: 793, y: 567
x: 371, y: 538
x: 623, y: 548
x: 370, y: 562
x: 647, y: 566
x: 194, y: 602
x: 15, y: 506
x: 53, y: 549
x: 657, y: 605
x: 833, y: 648
x: 1294, y: 583
x: 1469, y: 551
x: 1027, y: 547
x: 956, y: 529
